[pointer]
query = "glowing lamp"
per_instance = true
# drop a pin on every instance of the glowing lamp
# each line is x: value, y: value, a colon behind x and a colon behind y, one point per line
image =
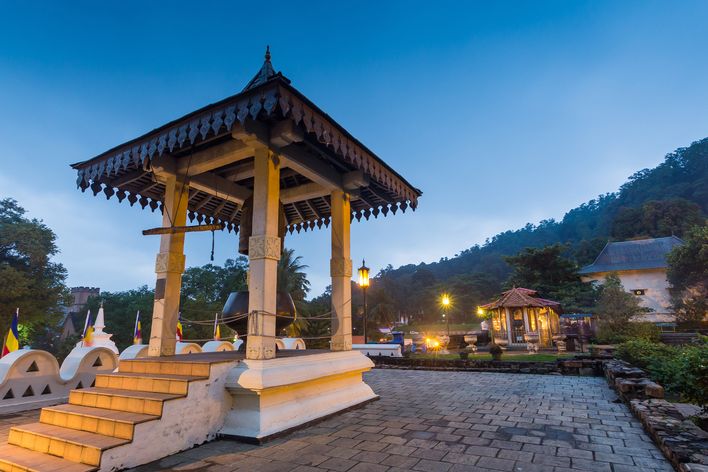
x: 363, y: 275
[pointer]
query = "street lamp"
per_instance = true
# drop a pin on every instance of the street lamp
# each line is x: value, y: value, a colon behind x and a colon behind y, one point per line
x: 445, y: 302
x: 364, y: 284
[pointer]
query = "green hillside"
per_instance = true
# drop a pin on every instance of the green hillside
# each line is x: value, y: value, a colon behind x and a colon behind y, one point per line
x: 662, y: 201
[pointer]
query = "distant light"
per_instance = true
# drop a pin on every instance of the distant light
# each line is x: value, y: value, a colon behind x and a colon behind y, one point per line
x: 480, y: 311
x: 445, y: 300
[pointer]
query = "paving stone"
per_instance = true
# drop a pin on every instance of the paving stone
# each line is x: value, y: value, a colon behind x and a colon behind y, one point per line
x: 432, y: 466
x: 496, y: 464
x: 452, y: 422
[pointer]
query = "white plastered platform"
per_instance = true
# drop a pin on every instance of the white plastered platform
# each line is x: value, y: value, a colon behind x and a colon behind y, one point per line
x: 277, y: 395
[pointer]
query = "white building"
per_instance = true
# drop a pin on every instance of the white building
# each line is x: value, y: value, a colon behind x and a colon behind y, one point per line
x: 641, y: 266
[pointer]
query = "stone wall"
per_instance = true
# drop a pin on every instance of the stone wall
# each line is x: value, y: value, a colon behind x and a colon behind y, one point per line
x: 577, y: 366
x: 682, y: 442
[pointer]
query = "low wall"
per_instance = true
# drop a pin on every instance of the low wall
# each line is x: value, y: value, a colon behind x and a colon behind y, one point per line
x: 32, y: 378
x: 683, y: 443
x: 578, y: 366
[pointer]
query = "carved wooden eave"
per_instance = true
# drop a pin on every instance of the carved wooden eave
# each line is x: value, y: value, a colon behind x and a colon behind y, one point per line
x: 211, y: 148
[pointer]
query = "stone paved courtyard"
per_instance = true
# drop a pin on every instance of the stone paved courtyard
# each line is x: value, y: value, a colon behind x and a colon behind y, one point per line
x: 453, y: 421
x: 446, y: 421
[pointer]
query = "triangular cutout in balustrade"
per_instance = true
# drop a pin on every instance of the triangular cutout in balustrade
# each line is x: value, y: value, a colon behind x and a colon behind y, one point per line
x: 97, y: 362
x: 33, y: 367
x: 79, y: 385
x: 47, y: 390
x: 9, y: 395
x: 29, y: 392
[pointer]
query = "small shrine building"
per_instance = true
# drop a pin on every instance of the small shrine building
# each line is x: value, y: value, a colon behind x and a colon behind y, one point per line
x: 518, y: 312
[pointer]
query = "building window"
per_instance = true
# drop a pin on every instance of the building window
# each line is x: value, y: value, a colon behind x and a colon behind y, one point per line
x: 639, y: 291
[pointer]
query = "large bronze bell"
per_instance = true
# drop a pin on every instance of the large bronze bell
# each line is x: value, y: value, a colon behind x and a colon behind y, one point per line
x: 237, y: 304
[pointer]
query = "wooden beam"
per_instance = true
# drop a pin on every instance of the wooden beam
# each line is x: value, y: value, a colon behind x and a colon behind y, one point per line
x: 182, y: 229
x: 220, y: 187
x: 310, y: 166
x: 203, y: 203
x: 239, y: 173
x: 213, y: 158
x: 302, y: 192
x: 125, y: 179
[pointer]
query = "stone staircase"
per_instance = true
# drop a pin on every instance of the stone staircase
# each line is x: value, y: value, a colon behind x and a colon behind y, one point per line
x: 74, y: 436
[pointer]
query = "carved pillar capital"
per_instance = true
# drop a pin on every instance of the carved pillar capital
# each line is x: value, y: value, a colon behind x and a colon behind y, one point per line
x: 340, y: 267
x: 264, y: 247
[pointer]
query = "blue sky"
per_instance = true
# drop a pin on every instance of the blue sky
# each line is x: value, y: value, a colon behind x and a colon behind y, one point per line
x: 503, y: 113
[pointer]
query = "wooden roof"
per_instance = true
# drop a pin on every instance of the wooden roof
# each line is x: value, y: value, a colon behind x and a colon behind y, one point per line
x: 519, y: 297
x: 210, y: 147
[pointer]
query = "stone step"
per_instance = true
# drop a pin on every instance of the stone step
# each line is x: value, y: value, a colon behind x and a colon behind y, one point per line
x: 119, y: 424
x: 158, y: 383
x: 17, y: 459
x: 147, y: 403
x: 70, y: 444
x: 166, y: 367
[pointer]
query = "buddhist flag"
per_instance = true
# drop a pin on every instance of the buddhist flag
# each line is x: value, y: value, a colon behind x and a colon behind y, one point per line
x: 179, y: 327
x: 137, y: 333
x: 87, y: 336
x: 217, y: 331
x: 12, y: 341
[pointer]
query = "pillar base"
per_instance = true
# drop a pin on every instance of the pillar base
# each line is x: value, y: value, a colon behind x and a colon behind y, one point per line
x: 273, y: 396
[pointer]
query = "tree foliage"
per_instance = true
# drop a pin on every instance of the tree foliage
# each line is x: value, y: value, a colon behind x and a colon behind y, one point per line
x: 615, y: 309
x: 553, y: 276
x: 688, y: 276
x: 656, y: 219
x: 30, y: 280
x: 120, y: 309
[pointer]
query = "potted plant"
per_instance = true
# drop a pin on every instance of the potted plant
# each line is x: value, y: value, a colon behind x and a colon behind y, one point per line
x: 496, y: 351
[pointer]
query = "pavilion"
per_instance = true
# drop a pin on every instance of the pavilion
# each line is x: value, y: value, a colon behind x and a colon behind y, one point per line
x: 262, y: 162
x: 518, y: 312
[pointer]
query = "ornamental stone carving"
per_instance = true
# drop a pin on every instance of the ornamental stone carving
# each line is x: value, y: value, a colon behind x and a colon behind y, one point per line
x: 340, y: 267
x: 169, y: 262
x: 264, y: 247
x: 260, y: 352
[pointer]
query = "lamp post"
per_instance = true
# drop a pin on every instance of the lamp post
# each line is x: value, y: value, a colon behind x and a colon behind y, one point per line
x: 364, y: 284
x: 445, y: 301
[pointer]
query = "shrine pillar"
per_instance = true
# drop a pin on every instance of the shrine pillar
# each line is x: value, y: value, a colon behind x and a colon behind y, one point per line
x: 169, y: 266
x: 341, y: 272
x: 263, y: 255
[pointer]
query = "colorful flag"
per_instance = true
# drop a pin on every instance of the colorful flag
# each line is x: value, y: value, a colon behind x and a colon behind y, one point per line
x: 137, y: 333
x: 87, y: 336
x: 12, y: 341
x: 217, y: 331
x: 179, y: 327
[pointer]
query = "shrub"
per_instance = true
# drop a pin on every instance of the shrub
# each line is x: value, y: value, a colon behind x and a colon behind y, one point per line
x: 496, y: 351
x: 682, y: 370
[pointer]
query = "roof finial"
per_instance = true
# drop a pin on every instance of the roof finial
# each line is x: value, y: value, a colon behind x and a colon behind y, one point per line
x: 267, y: 54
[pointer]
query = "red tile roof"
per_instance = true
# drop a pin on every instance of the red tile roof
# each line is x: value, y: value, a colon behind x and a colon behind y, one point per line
x: 519, y: 297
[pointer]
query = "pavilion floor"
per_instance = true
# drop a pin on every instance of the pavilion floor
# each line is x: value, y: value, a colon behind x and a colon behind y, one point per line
x: 226, y: 356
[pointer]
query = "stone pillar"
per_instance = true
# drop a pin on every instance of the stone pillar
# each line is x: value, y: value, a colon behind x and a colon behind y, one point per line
x: 508, y: 325
x: 341, y: 272
x: 169, y: 267
x: 263, y: 255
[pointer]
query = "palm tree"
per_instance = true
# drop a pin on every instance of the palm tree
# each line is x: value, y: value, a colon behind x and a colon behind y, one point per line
x: 291, y: 278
